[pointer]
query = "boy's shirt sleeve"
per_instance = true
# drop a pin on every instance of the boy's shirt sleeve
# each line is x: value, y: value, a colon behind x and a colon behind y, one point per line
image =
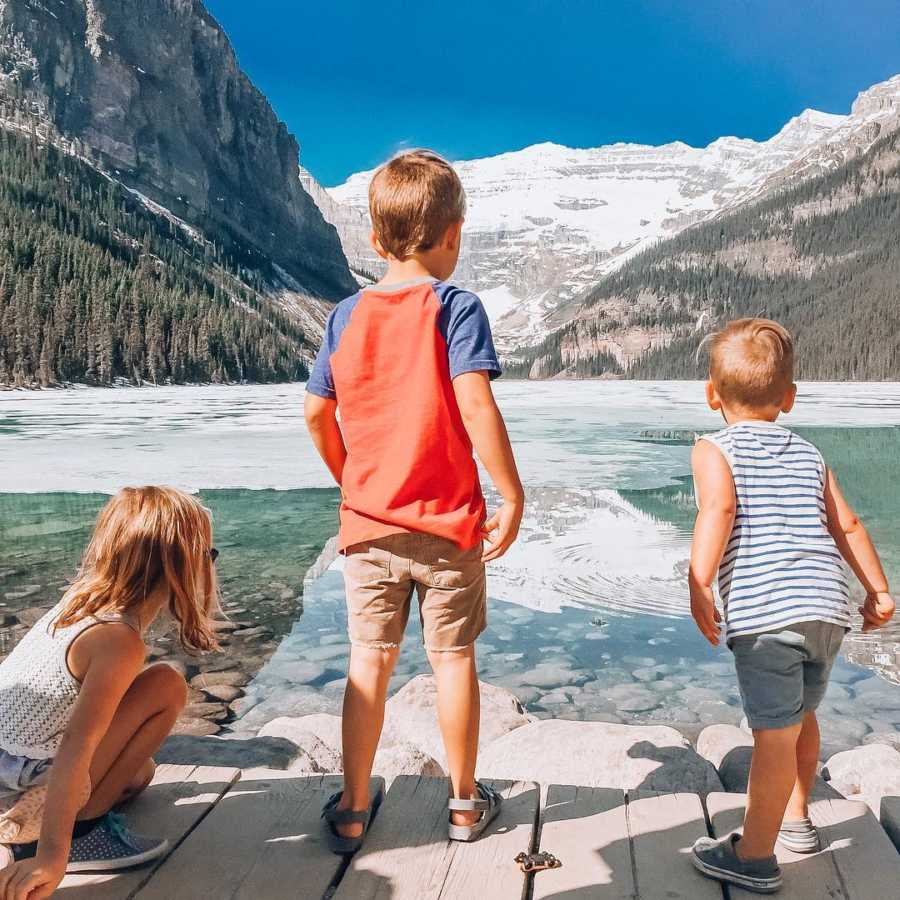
x: 321, y: 380
x: 470, y: 344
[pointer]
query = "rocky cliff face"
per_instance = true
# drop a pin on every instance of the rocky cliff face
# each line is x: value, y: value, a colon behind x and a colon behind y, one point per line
x: 153, y: 93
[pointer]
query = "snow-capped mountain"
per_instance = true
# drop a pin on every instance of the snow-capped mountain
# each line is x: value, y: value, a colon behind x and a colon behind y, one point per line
x: 544, y: 224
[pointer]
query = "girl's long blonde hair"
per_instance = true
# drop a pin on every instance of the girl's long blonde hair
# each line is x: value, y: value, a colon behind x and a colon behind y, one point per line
x: 143, y: 536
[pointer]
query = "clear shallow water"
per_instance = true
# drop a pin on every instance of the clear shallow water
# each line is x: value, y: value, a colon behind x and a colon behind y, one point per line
x: 589, y: 609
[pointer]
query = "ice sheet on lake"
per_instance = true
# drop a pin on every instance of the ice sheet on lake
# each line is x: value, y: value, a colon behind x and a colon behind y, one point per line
x: 566, y: 433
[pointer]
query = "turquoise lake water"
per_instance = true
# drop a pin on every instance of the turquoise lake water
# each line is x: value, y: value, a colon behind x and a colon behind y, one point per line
x: 588, y: 614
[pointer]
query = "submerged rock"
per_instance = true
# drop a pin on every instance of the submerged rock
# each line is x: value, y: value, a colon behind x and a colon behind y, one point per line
x: 600, y: 754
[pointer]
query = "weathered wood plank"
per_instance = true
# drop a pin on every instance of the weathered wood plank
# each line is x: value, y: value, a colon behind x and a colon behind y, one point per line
x: 493, y: 853
x: 263, y: 840
x: 663, y: 827
x: 178, y: 797
x: 587, y: 829
x: 806, y: 877
x: 407, y: 855
x: 867, y: 861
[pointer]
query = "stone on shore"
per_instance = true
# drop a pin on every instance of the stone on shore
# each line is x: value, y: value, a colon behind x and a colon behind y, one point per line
x: 729, y: 749
x: 866, y: 773
x: 405, y: 759
x: 599, y: 754
x: 316, y: 754
x: 411, y: 717
x: 890, y: 818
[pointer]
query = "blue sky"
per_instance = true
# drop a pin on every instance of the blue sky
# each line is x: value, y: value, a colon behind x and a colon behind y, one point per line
x: 355, y: 81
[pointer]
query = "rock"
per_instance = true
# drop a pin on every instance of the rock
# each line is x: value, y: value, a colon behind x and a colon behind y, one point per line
x: 215, y: 712
x: 255, y: 631
x: 317, y: 756
x: 548, y: 675
x: 866, y: 773
x: 231, y: 678
x: 599, y: 754
x: 889, y: 738
x: 31, y: 615
x: 195, y: 727
x: 224, y: 692
x: 405, y: 759
x: 633, y: 698
x: 411, y: 716
x: 294, y: 671
x: 326, y: 652
x: 229, y: 164
x: 240, y: 753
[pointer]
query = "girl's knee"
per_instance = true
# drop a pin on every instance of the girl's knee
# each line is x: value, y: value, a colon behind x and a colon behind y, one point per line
x: 166, y: 683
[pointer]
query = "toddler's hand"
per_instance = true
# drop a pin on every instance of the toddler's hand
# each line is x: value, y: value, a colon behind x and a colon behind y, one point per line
x: 707, y: 618
x: 877, y: 610
x: 501, y: 529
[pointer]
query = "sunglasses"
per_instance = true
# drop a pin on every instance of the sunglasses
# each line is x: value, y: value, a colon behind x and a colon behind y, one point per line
x: 213, y: 554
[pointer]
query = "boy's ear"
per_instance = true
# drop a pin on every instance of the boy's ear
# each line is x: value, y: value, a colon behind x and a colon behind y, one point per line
x: 789, y: 399
x: 453, y: 235
x: 376, y: 245
x: 712, y: 396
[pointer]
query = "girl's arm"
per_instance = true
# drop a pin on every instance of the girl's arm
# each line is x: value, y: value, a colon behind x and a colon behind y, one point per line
x: 715, y: 521
x: 113, y: 655
x: 857, y: 548
x: 322, y: 423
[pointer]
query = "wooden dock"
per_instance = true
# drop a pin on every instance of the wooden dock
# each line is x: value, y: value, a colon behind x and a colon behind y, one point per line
x: 256, y: 835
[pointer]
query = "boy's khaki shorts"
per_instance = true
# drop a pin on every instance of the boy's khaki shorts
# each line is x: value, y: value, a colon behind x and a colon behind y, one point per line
x: 382, y: 575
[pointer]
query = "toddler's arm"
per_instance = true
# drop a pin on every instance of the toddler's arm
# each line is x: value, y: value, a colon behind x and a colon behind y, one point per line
x: 487, y: 430
x: 715, y: 520
x: 322, y: 423
x: 857, y: 548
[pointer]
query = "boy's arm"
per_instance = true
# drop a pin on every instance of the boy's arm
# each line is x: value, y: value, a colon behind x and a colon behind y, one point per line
x: 322, y: 423
x: 715, y: 520
x: 857, y: 548
x: 487, y: 430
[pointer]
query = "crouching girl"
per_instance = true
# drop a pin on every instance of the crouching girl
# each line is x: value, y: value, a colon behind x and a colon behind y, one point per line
x: 80, y: 715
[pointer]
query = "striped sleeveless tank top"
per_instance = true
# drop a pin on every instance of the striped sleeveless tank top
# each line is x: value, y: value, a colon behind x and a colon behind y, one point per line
x: 781, y: 565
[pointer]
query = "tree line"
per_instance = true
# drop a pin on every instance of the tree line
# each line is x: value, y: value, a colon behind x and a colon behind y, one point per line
x: 96, y: 288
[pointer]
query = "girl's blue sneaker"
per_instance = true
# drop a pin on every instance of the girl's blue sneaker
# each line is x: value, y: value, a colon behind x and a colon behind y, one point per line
x: 112, y: 845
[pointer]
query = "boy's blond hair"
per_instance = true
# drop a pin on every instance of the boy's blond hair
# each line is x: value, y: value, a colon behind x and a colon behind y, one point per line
x: 751, y: 362
x: 413, y: 199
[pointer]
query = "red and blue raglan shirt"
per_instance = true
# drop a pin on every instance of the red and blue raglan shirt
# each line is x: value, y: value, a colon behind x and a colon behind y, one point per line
x: 388, y: 357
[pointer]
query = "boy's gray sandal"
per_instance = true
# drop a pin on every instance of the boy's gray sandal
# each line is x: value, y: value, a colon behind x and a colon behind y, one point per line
x: 337, y: 843
x: 800, y: 836
x: 719, y: 859
x: 488, y: 802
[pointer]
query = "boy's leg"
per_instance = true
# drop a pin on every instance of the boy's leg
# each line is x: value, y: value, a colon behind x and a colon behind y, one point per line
x: 123, y: 765
x: 378, y: 585
x: 363, y: 718
x: 453, y: 600
x: 773, y: 774
x: 459, y: 711
x: 807, y: 763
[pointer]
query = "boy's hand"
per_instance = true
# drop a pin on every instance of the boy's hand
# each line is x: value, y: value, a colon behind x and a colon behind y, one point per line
x: 501, y: 529
x: 31, y: 879
x: 877, y: 610
x: 707, y: 618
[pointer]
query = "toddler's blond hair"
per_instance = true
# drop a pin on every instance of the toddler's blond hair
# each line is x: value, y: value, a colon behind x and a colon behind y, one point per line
x: 751, y: 362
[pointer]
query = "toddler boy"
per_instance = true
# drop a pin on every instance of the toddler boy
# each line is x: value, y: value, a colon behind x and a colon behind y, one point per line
x: 774, y: 526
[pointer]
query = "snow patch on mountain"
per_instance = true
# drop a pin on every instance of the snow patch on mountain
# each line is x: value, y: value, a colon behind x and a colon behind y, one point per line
x: 545, y: 223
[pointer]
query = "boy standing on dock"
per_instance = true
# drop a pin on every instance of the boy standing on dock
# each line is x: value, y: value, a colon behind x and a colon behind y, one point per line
x: 409, y: 363
x: 774, y: 525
